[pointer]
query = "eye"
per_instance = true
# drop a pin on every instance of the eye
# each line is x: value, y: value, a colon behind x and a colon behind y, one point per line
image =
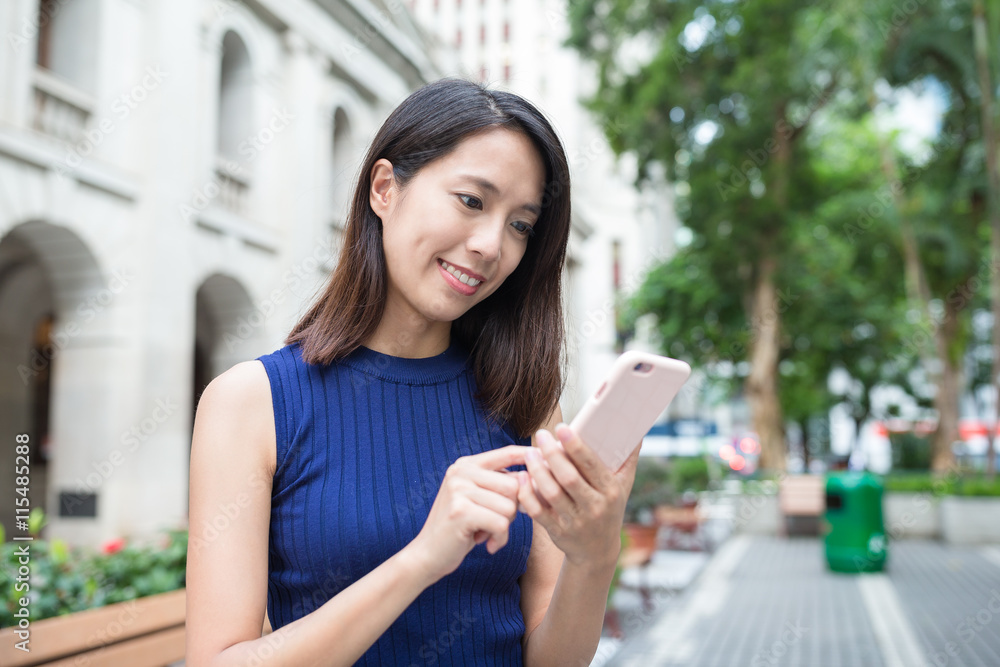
x: 476, y: 202
x: 524, y: 229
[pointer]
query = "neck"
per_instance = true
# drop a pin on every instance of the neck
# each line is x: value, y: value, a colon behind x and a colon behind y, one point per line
x: 409, y: 344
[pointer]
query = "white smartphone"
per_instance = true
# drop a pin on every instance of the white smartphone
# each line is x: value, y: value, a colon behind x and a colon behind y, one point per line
x: 636, y: 391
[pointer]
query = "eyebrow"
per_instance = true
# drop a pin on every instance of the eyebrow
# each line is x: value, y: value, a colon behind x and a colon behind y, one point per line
x: 488, y: 186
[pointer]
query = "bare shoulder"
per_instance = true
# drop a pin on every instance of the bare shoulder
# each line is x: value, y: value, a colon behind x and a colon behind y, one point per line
x: 239, y: 401
x: 232, y: 469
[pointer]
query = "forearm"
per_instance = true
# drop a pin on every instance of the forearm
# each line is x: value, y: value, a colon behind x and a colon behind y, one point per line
x: 571, y: 629
x: 347, y: 625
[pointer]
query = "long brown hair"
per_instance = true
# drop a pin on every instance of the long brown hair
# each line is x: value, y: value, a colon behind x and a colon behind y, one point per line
x: 515, y: 336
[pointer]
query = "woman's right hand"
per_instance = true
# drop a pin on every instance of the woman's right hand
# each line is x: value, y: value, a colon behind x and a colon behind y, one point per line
x: 476, y: 502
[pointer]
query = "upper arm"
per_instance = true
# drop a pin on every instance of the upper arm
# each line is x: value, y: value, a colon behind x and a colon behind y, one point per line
x: 544, y: 562
x: 232, y: 466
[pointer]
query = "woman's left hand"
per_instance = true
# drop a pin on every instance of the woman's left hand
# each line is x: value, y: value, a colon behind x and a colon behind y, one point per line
x: 579, y: 501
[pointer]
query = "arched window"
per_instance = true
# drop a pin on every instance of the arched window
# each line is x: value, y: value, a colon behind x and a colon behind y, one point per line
x: 67, y: 33
x: 66, y: 56
x: 235, y: 97
x: 234, y: 122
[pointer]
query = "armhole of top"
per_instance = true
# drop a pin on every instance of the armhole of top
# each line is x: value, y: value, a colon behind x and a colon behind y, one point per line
x: 278, y: 408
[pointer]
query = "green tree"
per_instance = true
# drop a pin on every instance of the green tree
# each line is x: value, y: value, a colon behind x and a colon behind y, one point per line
x: 721, y: 94
x: 937, y: 202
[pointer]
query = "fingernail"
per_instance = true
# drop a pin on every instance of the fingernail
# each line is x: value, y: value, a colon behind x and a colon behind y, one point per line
x: 531, y: 455
x: 522, y: 478
x: 564, y: 432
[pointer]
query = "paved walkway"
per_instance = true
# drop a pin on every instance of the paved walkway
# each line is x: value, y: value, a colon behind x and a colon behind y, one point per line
x: 769, y: 602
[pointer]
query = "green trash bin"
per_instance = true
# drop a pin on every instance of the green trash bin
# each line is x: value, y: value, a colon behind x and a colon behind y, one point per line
x: 854, y: 532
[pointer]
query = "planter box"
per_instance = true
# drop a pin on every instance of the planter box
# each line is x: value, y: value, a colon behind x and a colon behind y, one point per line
x: 970, y: 520
x: 757, y: 514
x: 148, y: 631
x: 911, y: 515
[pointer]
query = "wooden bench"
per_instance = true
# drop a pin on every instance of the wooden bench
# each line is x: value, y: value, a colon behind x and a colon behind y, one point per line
x: 801, y: 501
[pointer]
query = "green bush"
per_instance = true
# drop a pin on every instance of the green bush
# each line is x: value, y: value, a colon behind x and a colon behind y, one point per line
x: 966, y: 484
x: 67, y: 579
x: 917, y: 483
x: 652, y: 486
x: 662, y: 481
x: 977, y: 486
x: 689, y: 473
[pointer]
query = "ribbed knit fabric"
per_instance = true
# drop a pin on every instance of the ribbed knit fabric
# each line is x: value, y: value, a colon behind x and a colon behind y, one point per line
x: 362, y: 448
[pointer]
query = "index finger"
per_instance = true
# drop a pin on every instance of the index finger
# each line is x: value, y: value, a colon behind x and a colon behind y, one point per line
x: 502, y: 457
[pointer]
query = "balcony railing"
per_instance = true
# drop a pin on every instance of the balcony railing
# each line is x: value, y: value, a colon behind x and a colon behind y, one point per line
x: 234, y: 188
x: 60, y: 109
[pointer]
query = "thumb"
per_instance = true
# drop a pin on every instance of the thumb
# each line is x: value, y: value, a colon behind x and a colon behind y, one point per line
x: 627, y: 472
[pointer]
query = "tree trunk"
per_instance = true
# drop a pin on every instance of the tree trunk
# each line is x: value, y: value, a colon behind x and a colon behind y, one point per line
x: 993, y: 193
x: 762, y: 383
x: 765, y: 321
x: 804, y: 426
x: 943, y: 333
x: 948, y: 389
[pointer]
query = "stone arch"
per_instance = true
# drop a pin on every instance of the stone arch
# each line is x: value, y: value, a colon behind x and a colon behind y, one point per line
x: 54, y: 311
x: 228, y: 328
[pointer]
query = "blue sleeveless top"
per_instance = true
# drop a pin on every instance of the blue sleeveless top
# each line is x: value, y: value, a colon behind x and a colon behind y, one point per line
x: 362, y: 448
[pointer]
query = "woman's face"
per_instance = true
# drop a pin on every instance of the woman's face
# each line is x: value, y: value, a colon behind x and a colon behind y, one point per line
x: 471, y: 211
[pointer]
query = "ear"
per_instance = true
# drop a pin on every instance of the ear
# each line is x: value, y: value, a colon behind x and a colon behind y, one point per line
x: 383, y: 188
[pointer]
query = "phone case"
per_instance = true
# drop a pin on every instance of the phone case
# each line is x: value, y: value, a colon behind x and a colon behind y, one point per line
x: 615, y: 418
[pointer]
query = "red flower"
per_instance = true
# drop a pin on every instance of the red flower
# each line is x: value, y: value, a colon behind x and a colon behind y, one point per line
x: 113, y: 546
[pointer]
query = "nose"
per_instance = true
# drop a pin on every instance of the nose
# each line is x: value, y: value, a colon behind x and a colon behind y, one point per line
x: 487, y: 239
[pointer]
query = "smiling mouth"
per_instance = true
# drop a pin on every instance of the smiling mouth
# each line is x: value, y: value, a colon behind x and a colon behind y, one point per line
x: 462, y: 277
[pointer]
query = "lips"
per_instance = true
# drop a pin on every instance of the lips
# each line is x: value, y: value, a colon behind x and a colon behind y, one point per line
x: 461, y: 273
x: 455, y: 282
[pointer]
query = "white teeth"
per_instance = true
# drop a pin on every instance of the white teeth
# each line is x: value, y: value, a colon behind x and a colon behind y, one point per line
x: 462, y: 277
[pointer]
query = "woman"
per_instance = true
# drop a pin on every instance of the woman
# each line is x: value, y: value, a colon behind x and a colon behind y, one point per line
x: 351, y: 478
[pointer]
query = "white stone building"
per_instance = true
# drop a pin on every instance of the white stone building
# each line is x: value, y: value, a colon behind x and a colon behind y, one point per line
x: 172, y: 177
